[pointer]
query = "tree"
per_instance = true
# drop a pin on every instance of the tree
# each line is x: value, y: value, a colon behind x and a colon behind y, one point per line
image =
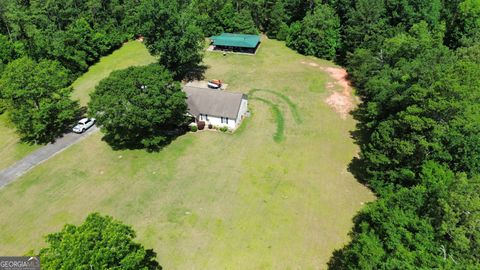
x: 403, y: 14
x: 318, y: 34
x: 365, y: 27
x: 76, y: 33
x: 243, y: 23
x: 276, y: 18
x: 99, y: 243
x: 172, y: 34
x: 456, y: 219
x: 400, y: 130
x: 38, y: 94
x: 468, y: 23
x: 389, y: 234
x: 418, y: 131
x: 297, y: 9
x: 431, y: 226
x: 138, y: 107
x: 7, y: 51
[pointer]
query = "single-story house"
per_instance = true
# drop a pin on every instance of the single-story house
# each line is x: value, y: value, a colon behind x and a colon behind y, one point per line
x: 236, y: 42
x: 216, y: 107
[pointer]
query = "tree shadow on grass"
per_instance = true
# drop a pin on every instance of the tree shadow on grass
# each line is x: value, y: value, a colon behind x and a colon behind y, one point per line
x: 357, y: 169
x: 196, y: 72
x: 54, y: 132
x: 153, y: 143
x: 82, y: 112
x: 361, y: 137
x: 150, y: 261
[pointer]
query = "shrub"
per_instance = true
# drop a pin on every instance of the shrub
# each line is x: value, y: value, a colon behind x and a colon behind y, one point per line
x: 193, y: 128
x: 224, y: 129
x: 201, y: 125
x: 210, y: 126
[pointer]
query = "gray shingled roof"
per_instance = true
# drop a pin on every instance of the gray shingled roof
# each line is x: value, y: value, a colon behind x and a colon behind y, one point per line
x: 213, y: 102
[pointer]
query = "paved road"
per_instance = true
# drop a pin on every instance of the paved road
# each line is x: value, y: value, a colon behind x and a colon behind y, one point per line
x: 21, y: 167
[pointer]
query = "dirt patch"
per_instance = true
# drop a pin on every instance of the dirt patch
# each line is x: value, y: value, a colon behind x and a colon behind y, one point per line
x: 342, y: 104
x: 341, y: 101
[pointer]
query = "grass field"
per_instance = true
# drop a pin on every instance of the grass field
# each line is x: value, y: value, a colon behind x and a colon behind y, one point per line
x: 212, y: 200
x: 11, y: 149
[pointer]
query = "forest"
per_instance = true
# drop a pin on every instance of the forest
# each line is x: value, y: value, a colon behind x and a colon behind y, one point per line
x: 415, y: 65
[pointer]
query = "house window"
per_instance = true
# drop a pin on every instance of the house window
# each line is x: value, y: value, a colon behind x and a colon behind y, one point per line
x: 200, y: 117
x: 206, y: 117
x: 224, y: 120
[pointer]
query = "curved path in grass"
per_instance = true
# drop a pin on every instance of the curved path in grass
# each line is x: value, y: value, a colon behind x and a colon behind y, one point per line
x: 287, y: 100
x: 278, y: 115
x: 279, y: 119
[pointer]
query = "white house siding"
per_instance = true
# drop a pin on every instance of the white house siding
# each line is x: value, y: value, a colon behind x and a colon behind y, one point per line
x: 217, y: 121
x: 242, y: 111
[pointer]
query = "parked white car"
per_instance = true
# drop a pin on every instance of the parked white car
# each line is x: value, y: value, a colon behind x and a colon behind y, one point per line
x: 83, y: 125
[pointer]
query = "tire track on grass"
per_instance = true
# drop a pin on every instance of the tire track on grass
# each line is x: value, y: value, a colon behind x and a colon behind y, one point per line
x: 293, y: 107
x: 279, y: 134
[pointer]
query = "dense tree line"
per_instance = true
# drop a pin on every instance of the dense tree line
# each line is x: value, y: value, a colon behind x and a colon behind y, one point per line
x: 76, y: 33
x: 419, y: 132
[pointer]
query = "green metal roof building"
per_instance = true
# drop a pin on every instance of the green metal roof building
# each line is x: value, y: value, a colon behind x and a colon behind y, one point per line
x: 236, y: 42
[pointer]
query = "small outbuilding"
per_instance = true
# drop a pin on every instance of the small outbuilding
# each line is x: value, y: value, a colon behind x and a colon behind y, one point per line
x: 236, y: 43
x: 215, y: 107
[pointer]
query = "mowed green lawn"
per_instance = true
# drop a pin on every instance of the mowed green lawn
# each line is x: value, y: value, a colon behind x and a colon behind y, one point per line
x: 132, y: 53
x: 11, y: 149
x: 212, y: 200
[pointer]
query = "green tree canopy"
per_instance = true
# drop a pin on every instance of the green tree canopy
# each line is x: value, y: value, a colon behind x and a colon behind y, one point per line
x: 433, y: 225
x: 318, y: 34
x: 468, y: 23
x: 7, y: 51
x: 418, y: 131
x: 171, y: 32
x: 400, y: 130
x: 38, y: 94
x: 138, y: 107
x: 99, y: 243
